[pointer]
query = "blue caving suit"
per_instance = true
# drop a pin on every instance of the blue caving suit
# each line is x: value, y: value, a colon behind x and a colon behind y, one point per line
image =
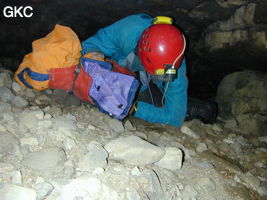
x: 119, y: 41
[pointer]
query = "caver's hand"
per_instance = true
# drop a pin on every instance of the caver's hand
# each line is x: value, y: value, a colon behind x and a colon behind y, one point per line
x: 95, y: 55
x: 133, y: 109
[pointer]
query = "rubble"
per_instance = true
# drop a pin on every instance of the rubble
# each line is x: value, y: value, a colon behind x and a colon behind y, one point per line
x: 50, y: 151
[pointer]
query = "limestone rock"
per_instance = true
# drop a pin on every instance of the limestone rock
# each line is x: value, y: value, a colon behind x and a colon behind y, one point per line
x: 13, y: 192
x: 64, y: 125
x: 135, y: 171
x: 253, y: 182
x: 45, y: 124
x: 108, y: 193
x: 45, y: 158
x: 95, y: 158
x: 230, y: 124
x: 6, y: 94
x: 28, y: 119
x: 65, y: 98
x: 6, y: 167
x: 206, y: 184
x: 243, y: 92
x: 186, y: 130
x: 129, y: 126
x: 19, y: 102
x: 232, y: 31
x: 133, y: 150
x: 153, y: 189
x: 16, y: 177
x: 263, y: 139
x: 42, y: 99
x: 17, y: 88
x: 8, y: 143
x: 141, y: 135
x: 251, y: 125
x: 43, y: 189
x: 4, y: 107
x: 39, y: 114
x: 133, y: 195
x: 201, y: 147
x: 115, y: 125
x: 2, y: 128
x: 172, y: 159
x: 82, y: 187
x: 69, y: 143
x: 5, y: 79
x: 189, y: 193
x: 29, y: 93
x: 243, y: 16
x: 230, y: 3
x: 31, y: 141
x: 9, y: 117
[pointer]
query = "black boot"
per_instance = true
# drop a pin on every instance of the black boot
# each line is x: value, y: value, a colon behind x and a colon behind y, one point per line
x: 206, y: 111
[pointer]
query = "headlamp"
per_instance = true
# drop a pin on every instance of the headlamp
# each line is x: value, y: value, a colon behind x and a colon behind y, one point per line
x: 167, y: 74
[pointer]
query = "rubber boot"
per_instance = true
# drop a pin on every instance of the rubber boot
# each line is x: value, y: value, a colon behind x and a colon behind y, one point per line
x: 206, y: 111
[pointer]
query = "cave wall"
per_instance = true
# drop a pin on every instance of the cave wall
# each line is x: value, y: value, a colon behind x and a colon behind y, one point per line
x: 223, y: 35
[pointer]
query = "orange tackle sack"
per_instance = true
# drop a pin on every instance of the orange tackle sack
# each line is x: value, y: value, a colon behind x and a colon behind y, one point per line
x: 59, y: 51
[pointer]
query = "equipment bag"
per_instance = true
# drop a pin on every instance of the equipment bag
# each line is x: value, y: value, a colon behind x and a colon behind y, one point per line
x: 112, y: 92
x: 59, y: 49
x: 54, y: 63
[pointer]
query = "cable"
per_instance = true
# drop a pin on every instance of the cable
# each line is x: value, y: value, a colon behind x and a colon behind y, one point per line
x: 165, y: 91
x: 167, y: 86
x: 182, y: 52
x: 150, y: 93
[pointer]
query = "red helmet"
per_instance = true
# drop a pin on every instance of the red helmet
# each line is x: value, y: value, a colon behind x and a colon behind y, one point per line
x: 161, y: 47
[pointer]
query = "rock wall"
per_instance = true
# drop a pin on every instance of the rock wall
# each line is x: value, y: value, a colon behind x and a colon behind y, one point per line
x: 243, y: 92
x: 242, y: 96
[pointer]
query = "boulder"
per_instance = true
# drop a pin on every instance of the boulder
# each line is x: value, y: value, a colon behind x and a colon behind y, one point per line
x: 13, y: 192
x: 45, y: 159
x: 133, y: 150
x: 242, y: 93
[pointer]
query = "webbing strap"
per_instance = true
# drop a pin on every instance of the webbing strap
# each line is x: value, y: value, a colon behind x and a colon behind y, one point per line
x: 22, y: 79
x: 33, y: 75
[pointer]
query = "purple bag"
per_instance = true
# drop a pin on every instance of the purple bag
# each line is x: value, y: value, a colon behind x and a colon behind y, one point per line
x: 112, y: 92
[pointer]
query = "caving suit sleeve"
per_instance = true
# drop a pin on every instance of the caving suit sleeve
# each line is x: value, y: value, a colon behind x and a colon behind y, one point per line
x: 174, y: 110
x: 119, y: 39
